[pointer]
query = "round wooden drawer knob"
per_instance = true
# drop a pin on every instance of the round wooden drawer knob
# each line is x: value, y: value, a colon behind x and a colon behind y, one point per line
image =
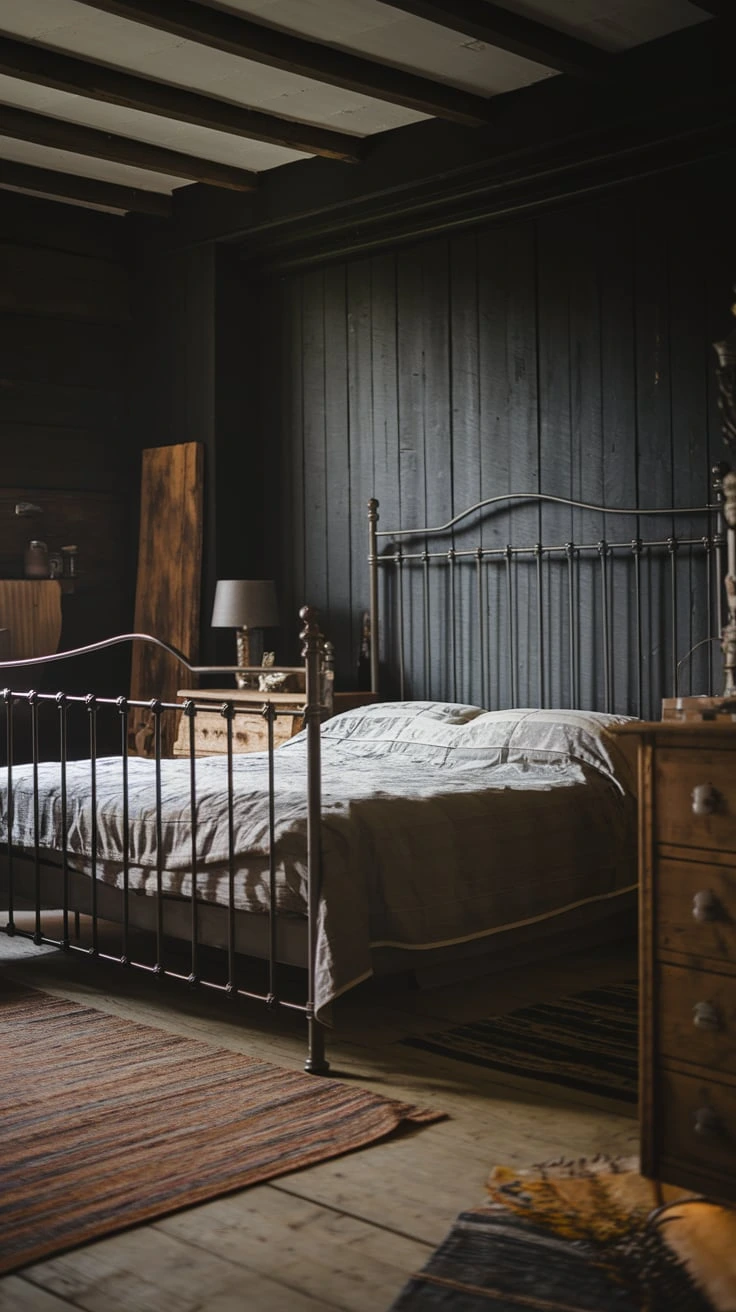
x: 705, y: 799
x: 706, y: 1017
x: 706, y: 905
x: 707, y: 1124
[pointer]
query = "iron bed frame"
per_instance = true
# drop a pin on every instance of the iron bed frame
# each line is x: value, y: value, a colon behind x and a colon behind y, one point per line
x: 654, y: 563
x: 32, y: 879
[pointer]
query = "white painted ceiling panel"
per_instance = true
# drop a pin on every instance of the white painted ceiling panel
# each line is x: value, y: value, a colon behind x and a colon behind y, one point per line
x: 368, y: 25
x: 369, y: 28
x: 82, y: 166
x: 76, y: 29
x: 187, y: 137
x: 392, y: 37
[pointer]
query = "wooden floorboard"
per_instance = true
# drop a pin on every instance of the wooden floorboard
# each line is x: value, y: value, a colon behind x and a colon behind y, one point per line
x: 345, y: 1234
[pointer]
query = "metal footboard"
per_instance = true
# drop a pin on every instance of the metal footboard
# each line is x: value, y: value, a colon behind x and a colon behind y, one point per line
x: 34, y: 874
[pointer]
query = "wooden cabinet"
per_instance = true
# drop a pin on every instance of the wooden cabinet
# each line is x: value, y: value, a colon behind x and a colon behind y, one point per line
x: 250, y: 728
x: 687, y: 845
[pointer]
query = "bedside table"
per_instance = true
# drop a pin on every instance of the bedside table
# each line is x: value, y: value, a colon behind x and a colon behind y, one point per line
x: 250, y: 731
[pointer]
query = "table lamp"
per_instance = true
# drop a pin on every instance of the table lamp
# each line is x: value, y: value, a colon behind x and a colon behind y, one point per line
x: 244, y: 604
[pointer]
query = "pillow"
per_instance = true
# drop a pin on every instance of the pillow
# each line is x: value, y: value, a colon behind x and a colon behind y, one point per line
x: 454, y: 734
x: 426, y: 730
x: 539, y: 737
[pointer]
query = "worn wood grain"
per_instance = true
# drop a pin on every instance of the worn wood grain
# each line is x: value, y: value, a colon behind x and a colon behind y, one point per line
x: 169, y: 579
x: 31, y: 611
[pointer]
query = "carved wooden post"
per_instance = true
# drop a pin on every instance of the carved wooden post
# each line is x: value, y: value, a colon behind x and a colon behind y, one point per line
x: 726, y: 379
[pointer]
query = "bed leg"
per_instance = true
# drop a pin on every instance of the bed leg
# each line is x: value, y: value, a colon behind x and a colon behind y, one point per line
x: 316, y: 1063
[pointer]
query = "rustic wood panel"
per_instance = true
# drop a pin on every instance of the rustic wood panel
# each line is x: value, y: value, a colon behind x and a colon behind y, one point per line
x: 567, y: 353
x: 30, y: 609
x: 337, y: 621
x: 169, y: 578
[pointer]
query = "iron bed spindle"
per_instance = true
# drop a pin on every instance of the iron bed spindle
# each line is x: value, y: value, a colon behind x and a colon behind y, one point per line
x: 510, y: 600
x: 228, y: 713
x: 194, y: 968
x: 62, y: 704
x: 672, y: 549
x: 636, y: 549
x: 453, y: 618
x: 707, y: 545
x: 538, y: 552
x: 91, y: 705
x: 10, y: 748
x: 425, y: 608
x: 124, y: 712
x: 270, y: 715
x: 156, y: 710
x: 479, y: 603
x: 603, y: 552
x: 33, y: 704
x: 571, y: 623
x: 373, y: 590
x: 400, y: 590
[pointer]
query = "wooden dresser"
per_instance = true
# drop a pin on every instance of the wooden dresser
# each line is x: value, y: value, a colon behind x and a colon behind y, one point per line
x: 687, y: 856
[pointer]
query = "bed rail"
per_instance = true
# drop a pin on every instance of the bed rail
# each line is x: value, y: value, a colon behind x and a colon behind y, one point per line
x: 33, y: 875
x: 532, y: 599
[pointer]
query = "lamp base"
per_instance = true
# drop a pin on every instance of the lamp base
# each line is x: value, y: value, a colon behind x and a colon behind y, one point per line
x: 242, y: 647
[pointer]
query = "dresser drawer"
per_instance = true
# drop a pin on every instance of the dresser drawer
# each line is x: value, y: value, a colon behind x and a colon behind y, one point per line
x: 695, y: 909
x: 698, y: 1123
x: 695, y: 798
x: 697, y: 1017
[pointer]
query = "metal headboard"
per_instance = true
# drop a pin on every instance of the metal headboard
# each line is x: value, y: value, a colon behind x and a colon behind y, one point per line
x: 602, y: 623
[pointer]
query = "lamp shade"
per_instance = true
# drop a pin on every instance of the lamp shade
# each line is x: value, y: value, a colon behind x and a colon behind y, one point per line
x: 245, y: 604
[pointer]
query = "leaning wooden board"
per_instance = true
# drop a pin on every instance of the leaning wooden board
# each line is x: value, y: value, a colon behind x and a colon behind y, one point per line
x: 168, y: 581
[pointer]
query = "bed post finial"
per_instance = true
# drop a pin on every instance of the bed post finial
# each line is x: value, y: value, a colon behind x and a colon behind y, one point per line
x: 373, y: 588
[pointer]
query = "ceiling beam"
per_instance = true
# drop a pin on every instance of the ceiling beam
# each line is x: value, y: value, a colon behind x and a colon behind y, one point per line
x: 495, y: 26
x: 82, y: 77
x: 22, y: 125
x: 295, y: 54
x: 111, y: 195
x: 718, y: 8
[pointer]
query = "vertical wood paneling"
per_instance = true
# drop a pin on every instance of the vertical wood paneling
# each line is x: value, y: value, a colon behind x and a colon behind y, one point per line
x: 619, y: 442
x: 385, y: 393
x: 364, y: 454
x: 438, y: 452
x: 508, y: 330
x: 412, y: 472
x: 337, y: 623
x: 465, y: 384
x: 654, y: 414
x: 314, y: 368
x: 568, y: 354
x: 292, y: 505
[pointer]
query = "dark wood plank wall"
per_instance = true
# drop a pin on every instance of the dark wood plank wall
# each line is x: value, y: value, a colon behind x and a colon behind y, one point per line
x: 64, y: 386
x: 566, y: 352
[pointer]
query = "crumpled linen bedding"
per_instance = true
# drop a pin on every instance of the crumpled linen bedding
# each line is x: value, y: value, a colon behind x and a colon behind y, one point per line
x: 439, y: 825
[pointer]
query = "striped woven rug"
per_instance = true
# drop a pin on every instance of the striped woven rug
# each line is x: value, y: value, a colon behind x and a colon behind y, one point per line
x: 587, y: 1041
x: 106, y: 1123
x: 581, y: 1236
